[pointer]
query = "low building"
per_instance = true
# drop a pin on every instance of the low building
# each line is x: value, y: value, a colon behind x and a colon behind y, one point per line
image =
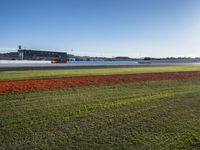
x: 9, y: 56
x: 26, y: 54
x: 72, y: 59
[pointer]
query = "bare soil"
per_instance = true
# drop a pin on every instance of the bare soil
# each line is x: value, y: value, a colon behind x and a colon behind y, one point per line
x: 24, y: 86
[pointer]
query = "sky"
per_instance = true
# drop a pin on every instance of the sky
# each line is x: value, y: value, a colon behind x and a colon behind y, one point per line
x: 133, y: 28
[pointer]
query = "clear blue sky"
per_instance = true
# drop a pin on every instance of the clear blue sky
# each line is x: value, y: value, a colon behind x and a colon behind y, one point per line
x: 135, y: 28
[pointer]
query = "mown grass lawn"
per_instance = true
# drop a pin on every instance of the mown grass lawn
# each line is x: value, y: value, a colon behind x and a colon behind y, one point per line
x: 149, y: 115
x: 20, y: 75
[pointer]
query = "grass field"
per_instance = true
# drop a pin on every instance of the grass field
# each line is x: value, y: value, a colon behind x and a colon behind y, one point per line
x: 19, y: 75
x: 150, y: 115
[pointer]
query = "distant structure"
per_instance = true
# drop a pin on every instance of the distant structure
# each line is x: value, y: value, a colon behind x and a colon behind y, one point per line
x: 29, y: 54
x: 20, y: 47
x: 9, y: 56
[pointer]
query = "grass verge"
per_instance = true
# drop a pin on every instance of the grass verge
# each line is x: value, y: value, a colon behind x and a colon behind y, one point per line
x: 20, y: 75
x: 150, y: 115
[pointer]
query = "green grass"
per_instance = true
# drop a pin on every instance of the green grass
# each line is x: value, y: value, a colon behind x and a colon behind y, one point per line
x: 150, y: 115
x: 18, y: 75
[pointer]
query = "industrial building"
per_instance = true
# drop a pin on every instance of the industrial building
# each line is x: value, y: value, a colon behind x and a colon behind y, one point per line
x: 28, y: 54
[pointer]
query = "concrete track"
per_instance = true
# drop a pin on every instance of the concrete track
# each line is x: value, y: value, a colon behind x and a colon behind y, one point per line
x: 26, y: 67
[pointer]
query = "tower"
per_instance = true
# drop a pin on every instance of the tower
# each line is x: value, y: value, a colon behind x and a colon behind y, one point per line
x: 20, y: 47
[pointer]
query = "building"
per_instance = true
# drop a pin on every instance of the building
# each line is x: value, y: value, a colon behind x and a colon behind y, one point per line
x: 9, y: 56
x: 26, y: 54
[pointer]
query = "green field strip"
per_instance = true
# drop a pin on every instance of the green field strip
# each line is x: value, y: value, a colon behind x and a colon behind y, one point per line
x: 21, y: 75
x: 81, y: 110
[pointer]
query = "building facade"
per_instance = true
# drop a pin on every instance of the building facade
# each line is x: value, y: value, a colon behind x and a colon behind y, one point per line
x: 25, y: 54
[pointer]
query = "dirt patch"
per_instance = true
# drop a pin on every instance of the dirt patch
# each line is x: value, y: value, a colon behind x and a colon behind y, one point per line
x: 24, y: 86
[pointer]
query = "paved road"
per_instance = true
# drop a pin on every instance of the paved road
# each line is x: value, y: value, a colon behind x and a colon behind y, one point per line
x: 24, y: 67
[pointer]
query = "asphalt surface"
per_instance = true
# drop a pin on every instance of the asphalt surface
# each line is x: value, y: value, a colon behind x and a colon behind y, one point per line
x: 26, y: 67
